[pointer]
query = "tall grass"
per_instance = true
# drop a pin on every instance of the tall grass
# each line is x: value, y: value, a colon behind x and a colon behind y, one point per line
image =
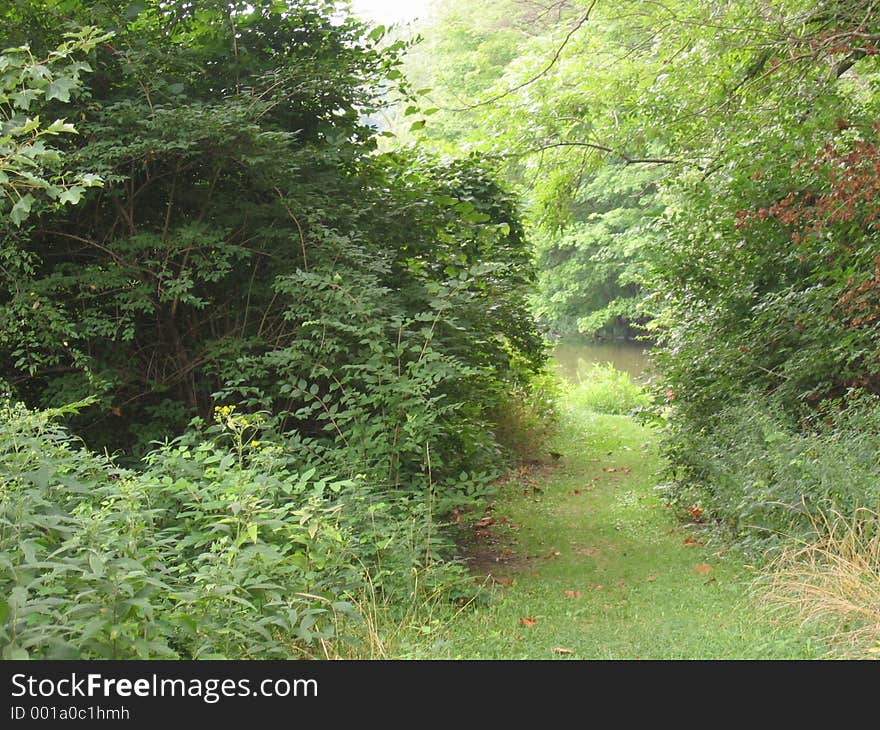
x: 832, y: 580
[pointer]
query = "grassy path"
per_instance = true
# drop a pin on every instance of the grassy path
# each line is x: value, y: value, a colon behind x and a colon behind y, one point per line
x: 589, y: 561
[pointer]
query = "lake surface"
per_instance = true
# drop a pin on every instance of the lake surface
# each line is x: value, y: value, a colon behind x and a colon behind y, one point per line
x: 631, y: 357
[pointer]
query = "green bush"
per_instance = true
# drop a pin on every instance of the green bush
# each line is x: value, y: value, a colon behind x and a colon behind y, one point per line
x: 219, y: 547
x: 604, y: 389
x: 762, y: 474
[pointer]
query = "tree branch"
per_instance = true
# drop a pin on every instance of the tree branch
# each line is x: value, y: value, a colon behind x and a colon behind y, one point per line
x: 605, y: 148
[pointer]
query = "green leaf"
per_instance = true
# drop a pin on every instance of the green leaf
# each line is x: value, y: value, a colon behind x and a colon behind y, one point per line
x: 59, y: 125
x: 60, y: 89
x: 21, y: 209
x: 71, y: 195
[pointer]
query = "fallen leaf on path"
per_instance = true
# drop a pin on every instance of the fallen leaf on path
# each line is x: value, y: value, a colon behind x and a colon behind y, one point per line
x: 503, y: 581
x: 503, y: 520
x: 695, y: 511
x: 691, y: 541
x: 598, y: 587
x: 595, y: 459
x: 703, y: 568
x: 621, y: 584
x: 573, y: 594
x: 528, y: 622
x: 485, y: 522
x: 651, y: 578
x: 624, y: 469
x: 554, y: 554
x: 577, y: 491
x: 560, y: 650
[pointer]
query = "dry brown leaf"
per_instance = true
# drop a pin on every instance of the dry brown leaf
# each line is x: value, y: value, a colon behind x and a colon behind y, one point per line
x: 588, y: 552
x: 560, y: 650
x: 554, y: 554
x: 651, y: 578
x: 598, y: 587
x: 577, y: 491
x: 528, y: 622
x: 573, y: 594
x: 503, y: 581
x: 691, y: 541
x: 703, y: 568
x: 485, y: 522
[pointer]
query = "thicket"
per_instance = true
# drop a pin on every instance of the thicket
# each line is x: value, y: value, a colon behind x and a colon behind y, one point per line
x: 297, y: 350
x: 710, y: 170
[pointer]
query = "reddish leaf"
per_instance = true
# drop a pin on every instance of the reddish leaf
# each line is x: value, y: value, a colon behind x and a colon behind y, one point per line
x: 577, y: 491
x: 703, y: 568
x: 621, y: 584
x: 485, y: 522
x: 528, y: 622
x: 695, y: 511
x: 503, y: 581
x: 691, y: 541
x: 560, y: 650
x: 573, y: 594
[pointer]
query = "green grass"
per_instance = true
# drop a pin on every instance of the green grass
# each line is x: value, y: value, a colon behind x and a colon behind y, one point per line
x: 615, y: 533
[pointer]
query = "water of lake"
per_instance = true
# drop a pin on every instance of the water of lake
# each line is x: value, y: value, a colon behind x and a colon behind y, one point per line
x: 631, y: 357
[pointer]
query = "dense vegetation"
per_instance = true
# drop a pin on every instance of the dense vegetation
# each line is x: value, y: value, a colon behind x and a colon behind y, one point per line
x: 297, y: 351
x: 707, y: 170
x: 257, y: 349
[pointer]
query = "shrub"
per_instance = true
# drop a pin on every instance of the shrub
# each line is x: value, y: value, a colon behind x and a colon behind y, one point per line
x: 763, y: 474
x: 219, y: 547
x: 604, y: 389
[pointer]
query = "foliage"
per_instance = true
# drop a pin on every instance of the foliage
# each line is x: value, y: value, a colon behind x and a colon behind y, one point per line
x: 710, y: 168
x: 592, y: 268
x: 604, y: 389
x: 31, y: 169
x: 298, y: 348
x: 218, y: 547
x: 249, y: 245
